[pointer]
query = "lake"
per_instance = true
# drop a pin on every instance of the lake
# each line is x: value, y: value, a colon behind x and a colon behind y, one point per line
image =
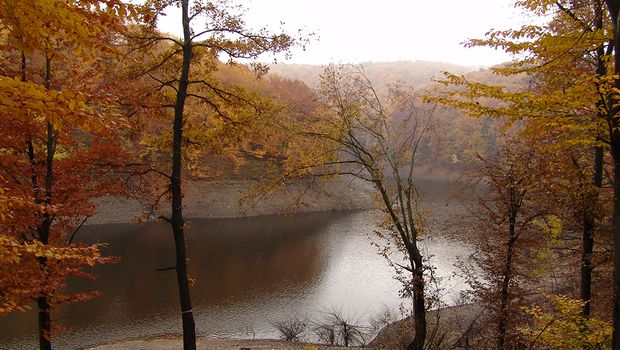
x: 249, y: 272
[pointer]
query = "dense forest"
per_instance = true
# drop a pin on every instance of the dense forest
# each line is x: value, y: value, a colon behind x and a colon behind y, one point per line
x: 96, y: 102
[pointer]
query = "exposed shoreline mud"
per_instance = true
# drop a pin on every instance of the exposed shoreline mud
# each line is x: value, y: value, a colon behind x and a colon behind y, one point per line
x: 222, y: 198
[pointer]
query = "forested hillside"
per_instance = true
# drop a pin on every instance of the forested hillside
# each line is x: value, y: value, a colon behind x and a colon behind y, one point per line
x: 456, y: 138
x: 380, y: 73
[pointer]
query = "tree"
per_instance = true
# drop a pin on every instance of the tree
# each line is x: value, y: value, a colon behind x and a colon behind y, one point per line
x: 512, y: 225
x: 613, y: 122
x: 56, y: 139
x: 222, y: 31
x: 568, y: 87
x: 357, y: 136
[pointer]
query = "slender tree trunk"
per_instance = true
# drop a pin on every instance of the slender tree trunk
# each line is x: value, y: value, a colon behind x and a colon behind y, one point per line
x: 589, y: 224
x: 587, y: 247
x: 417, y: 268
x: 189, y: 327
x: 43, y: 229
x: 504, y: 297
x: 419, y: 304
x: 616, y: 238
x: 45, y: 323
x: 615, y: 148
x: 43, y: 301
x: 587, y: 239
x: 613, y: 7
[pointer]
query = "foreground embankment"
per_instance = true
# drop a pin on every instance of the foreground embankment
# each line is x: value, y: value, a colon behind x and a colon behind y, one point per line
x: 175, y: 343
x: 227, y: 199
x: 448, y: 327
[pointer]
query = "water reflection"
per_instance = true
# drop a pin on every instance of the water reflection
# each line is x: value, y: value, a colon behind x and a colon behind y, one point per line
x: 261, y: 264
x: 248, y: 272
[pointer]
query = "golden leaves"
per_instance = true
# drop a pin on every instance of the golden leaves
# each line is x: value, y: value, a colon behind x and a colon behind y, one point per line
x: 562, y: 326
x: 561, y: 92
x: 50, y: 26
x: 27, y: 101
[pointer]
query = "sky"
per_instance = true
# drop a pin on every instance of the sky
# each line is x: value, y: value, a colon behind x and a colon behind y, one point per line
x: 350, y: 31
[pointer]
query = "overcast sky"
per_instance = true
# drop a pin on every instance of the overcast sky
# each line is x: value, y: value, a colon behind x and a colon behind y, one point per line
x: 352, y: 31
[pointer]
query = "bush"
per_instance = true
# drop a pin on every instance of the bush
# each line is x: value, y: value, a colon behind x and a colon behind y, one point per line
x: 291, y: 329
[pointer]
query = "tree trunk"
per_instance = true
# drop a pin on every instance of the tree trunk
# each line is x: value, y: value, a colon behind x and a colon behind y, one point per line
x: 587, y: 246
x: 585, y: 286
x: 419, y: 305
x: 45, y: 323
x: 613, y: 7
x: 615, y: 148
x: 43, y: 229
x: 587, y: 239
x: 43, y: 301
x: 417, y: 268
x: 504, y: 297
x: 176, y: 221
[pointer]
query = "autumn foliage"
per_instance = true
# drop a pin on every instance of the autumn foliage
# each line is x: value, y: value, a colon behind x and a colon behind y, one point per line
x: 59, y: 145
x: 95, y: 101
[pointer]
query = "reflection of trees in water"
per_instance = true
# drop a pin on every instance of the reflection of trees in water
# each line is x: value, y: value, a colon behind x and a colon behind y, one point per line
x: 253, y: 260
x: 264, y: 257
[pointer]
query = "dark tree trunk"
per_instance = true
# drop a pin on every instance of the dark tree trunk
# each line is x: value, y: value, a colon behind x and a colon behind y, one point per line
x: 417, y: 268
x: 419, y: 304
x: 615, y: 148
x: 587, y: 239
x: 589, y: 224
x: 45, y: 323
x: 43, y: 302
x: 613, y: 7
x: 43, y: 229
x: 587, y: 243
x: 504, y: 296
x: 176, y: 221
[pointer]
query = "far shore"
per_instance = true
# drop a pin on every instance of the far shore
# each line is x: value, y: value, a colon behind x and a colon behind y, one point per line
x: 224, y: 199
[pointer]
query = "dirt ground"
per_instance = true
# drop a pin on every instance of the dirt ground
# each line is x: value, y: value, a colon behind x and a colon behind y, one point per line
x: 453, y: 322
x: 175, y: 342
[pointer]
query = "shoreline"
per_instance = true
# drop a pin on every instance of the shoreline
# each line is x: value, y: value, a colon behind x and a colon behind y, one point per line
x: 453, y: 322
x: 221, y: 199
x: 175, y: 341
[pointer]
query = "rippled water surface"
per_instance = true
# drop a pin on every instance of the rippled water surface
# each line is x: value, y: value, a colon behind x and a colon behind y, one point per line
x: 249, y: 272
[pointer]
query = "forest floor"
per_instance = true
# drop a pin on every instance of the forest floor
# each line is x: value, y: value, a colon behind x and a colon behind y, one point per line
x: 175, y: 342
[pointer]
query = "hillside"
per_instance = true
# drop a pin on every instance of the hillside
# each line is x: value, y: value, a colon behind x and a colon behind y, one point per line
x: 410, y: 72
x: 456, y: 138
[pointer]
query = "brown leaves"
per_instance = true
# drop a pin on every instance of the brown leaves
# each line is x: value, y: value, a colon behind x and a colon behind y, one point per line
x: 60, y: 140
x: 22, y: 276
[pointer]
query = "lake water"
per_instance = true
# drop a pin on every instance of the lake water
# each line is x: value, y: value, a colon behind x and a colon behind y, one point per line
x: 249, y: 273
